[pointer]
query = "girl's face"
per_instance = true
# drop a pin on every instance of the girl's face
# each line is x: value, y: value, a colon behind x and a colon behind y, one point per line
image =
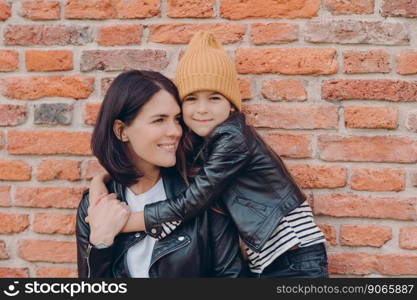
x: 154, y: 134
x: 203, y: 110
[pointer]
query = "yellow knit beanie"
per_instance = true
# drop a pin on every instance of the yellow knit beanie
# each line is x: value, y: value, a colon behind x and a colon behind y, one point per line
x: 205, y: 65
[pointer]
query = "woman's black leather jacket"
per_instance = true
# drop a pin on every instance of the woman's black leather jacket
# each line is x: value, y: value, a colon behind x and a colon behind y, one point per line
x: 205, y: 246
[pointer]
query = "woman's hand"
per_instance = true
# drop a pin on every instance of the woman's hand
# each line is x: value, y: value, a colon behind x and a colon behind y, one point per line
x: 98, y: 186
x: 107, y: 216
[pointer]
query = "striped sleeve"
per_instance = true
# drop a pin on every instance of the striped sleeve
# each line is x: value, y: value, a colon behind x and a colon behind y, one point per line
x: 168, y: 228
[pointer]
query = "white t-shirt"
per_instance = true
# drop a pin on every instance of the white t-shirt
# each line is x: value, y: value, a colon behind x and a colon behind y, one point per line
x: 139, y: 255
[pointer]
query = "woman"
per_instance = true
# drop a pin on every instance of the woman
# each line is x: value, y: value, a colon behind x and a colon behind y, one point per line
x: 135, y: 139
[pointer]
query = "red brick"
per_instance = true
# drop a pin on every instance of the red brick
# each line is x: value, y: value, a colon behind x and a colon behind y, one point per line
x: 408, y: 238
x: 132, y: 9
x: 45, y: 197
x: 1, y: 140
x: 367, y: 148
x: 49, y: 142
x: 343, y: 7
x: 291, y: 9
x: 290, y: 145
x: 13, y: 223
x: 182, y: 33
x: 51, y: 223
x: 245, y: 88
x: 373, y: 61
x: 382, y: 179
x: 5, y: 10
x: 61, y: 169
x: 284, y: 90
x: 407, y: 62
x: 56, y: 272
x: 356, y: 32
x: 191, y: 8
x: 365, y: 264
x: 48, y: 251
x: 41, y: 10
x: 91, y: 111
x: 14, y: 272
x: 381, y: 89
x: 5, y: 196
x: 3, y: 251
x: 286, y: 117
x: 47, y: 35
x: 274, y: 33
x: 351, y: 263
x: 349, y: 205
x: 119, y: 35
x: 124, y: 59
x: 111, y: 9
x: 14, y: 170
x: 373, y: 117
x: 90, y: 9
x: 363, y: 235
x: 48, y: 60
x: 92, y: 168
x: 12, y: 115
x: 310, y: 176
x: 288, y: 61
x: 399, y: 8
x: 35, y: 87
x: 9, y: 60
x: 397, y: 264
x: 330, y: 234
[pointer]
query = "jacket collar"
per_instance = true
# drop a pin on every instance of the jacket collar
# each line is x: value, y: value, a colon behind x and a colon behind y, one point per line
x: 171, y: 178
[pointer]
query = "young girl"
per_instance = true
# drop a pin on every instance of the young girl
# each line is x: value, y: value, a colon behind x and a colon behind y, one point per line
x: 227, y: 159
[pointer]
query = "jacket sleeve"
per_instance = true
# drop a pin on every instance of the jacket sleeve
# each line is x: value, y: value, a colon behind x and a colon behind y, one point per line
x: 227, y: 257
x: 227, y: 154
x: 91, y: 262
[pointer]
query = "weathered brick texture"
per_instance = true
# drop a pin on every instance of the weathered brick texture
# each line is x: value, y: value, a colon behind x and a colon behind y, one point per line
x: 330, y: 85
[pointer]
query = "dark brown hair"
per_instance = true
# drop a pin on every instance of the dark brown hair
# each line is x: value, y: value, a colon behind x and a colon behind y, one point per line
x: 127, y: 94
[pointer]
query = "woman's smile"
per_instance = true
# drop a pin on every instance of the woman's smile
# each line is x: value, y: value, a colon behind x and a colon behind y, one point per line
x: 169, y: 147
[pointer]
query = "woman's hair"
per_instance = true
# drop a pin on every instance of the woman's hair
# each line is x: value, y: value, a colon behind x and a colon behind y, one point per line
x: 127, y: 94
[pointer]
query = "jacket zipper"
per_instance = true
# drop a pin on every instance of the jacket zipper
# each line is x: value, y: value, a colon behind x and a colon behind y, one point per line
x: 88, y: 259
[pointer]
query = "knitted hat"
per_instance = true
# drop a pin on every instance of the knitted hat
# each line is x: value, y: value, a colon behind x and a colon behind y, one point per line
x: 205, y: 65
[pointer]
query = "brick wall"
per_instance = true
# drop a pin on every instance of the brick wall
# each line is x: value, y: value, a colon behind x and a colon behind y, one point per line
x: 331, y: 84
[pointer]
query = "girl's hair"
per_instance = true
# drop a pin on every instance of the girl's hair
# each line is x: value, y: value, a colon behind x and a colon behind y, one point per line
x: 127, y: 94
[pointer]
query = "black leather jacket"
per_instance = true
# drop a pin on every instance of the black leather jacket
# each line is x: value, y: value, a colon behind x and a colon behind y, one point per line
x: 251, y: 179
x: 206, y: 246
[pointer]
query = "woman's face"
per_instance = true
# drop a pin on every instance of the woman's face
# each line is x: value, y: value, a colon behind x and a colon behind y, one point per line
x: 203, y: 110
x: 154, y: 134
